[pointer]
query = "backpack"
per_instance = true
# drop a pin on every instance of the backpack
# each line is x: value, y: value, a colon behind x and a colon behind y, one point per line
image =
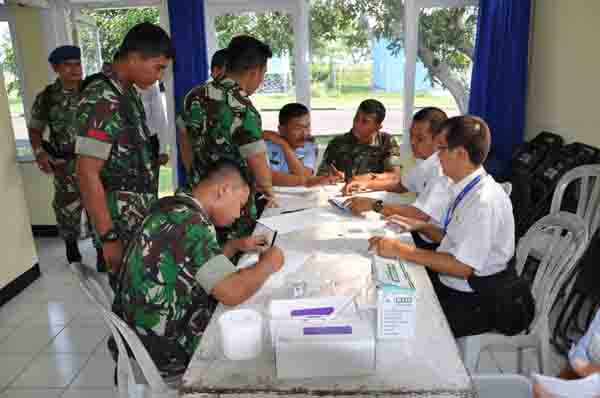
x: 508, y: 299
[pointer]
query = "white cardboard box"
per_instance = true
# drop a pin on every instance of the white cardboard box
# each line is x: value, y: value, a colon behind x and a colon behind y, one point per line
x: 396, y: 299
x: 335, y: 348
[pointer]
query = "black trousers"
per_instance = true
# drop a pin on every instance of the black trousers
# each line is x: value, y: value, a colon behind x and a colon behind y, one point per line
x: 467, y: 313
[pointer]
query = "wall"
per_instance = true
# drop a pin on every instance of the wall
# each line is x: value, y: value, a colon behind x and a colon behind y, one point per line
x: 30, y: 38
x: 16, y: 241
x: 564, y: 83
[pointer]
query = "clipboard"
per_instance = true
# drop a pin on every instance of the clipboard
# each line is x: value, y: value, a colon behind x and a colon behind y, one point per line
x: 262, y: 229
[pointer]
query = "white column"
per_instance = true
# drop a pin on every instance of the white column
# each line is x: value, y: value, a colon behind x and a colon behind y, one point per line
x: 61, y: 25
x: 211, y: 31
x: 301, y: 52
x: 170, y: 96
x: 411, y: 31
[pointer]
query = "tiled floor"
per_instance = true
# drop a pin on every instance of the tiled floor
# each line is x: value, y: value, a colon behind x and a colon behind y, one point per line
x: 53, y: 344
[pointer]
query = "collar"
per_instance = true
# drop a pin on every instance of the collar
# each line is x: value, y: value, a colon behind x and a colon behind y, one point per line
x: 181, y: 192
x: 60, y: 87
x: 228, y: 82
x: 119, y: 83
x: 459, y: 186
x: 374, y: 139
x: 432, y: 160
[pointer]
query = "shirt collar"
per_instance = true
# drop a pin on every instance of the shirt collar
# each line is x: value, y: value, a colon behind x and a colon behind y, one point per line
x: 459, y: 186
x: 230, y: 83
x: 374, y: 139
x: 181, y: 192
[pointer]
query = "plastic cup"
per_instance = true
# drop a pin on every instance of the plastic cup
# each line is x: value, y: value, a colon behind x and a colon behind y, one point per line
x: 241, y: 334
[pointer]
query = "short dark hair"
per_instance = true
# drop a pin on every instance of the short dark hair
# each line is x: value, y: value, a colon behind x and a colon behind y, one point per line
x: 290, y: 111
x: 220, y: 169
x: 246, y: 52
x: 219, y: 59
x: 435, y: 116
x: 372, y: 106
x: 147, y: 39
x: 471, y: 133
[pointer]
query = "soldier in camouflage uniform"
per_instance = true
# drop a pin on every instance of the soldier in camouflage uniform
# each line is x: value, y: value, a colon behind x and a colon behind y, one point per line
x: 218, y: 122
x: 175, y: 272
x: 54, y: 108
x: 365, y: 150
x: 364, y: 153
x: 115, y: 155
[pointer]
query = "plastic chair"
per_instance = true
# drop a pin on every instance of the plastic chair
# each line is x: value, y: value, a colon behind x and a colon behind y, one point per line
x: 569, y: 237
x: 507, y: 186
x: 502, y: 386
x: 137, y: 377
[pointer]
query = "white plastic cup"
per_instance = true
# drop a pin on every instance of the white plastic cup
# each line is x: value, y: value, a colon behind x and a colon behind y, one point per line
x: 241, y: 334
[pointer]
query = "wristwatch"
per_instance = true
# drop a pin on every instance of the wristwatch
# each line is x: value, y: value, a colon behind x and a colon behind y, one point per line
x: 109, y: 236
x: 378, y: 206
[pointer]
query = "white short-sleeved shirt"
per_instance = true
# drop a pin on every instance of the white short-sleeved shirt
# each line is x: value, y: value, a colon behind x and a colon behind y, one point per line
x: 417, y: 178
x: 435, y: 199
x: 481, y: 233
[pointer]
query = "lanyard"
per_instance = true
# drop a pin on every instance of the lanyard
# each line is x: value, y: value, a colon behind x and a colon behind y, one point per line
x: 459, y: 198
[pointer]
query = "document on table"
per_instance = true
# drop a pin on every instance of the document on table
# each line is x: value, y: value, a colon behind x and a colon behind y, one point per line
x: 293, y: 261
x: 582, y: 388
x: 296, y: 190
x: 300, y: 220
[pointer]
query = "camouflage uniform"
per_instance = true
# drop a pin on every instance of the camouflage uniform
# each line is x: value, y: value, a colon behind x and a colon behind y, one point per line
x: 113, y: 128
x: 169, y: 269
x: 54, y: 108
x: 222, y: 124
x: 347, y: 154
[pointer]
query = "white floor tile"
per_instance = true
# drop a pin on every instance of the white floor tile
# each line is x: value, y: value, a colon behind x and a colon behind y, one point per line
x: 97, y: 373
x: 77, y: 340
x: 96, y: 393
x: 29, y: 393
x: 12, y: 366
x: 29, y: 339
x: 53, y: 371
x: 5, y: 332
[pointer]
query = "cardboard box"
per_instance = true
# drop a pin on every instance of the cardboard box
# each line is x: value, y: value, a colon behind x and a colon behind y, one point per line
x: 320, y: 349
x: 396, y: 299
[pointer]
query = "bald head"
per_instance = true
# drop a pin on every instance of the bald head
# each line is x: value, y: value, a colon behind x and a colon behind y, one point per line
x: 226, y: 172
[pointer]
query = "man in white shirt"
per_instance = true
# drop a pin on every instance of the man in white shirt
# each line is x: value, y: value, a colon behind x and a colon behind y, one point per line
x: 477, y: 237
x: 426, y: 179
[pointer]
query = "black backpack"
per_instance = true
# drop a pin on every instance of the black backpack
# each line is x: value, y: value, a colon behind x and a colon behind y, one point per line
x: 508, y: 299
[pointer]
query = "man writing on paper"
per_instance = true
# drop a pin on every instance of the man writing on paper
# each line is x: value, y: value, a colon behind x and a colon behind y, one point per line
x: 365, y: 153
x: 175, y: 272
x: 427, y: 178
x: 477, y: 238
x: 292, y: 152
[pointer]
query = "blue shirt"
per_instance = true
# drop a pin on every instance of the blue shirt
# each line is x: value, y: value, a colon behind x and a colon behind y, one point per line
x: 278, y: 162
x: 581, y: 349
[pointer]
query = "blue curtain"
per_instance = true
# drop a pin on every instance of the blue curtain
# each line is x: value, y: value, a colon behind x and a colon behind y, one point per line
x: 191, y: 61
x: 499, y: 80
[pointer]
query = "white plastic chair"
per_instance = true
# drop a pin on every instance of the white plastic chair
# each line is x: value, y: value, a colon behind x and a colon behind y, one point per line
x: 502, y: 386
x: 588, y: 205
x: 568, y: 239
x: 137, y: 377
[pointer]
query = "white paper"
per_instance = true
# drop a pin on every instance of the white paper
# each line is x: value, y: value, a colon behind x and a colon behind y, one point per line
x: 296, y: 190
x: 300, y: 220
x: 583, y: 388
x: 293, y: 261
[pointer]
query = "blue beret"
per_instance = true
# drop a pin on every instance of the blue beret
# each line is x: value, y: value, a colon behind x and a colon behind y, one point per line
x: 64, y: 53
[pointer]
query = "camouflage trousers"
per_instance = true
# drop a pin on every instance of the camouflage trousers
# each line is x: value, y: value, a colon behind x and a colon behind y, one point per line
x: 127, y: 211
x: 67, y: 201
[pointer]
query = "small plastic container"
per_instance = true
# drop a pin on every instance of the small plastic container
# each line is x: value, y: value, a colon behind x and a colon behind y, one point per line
x: 241, y: 334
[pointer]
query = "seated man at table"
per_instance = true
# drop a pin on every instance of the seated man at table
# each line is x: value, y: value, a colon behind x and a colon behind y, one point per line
x: 427, y: 178
x: 175, y: 273
x: 478, y: 234
x: 364, y: 153
x: 292, y: 152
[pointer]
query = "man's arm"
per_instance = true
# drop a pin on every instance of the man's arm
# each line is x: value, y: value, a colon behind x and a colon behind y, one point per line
x: 237, y: 287
x: 94, y: 200
x: 440, y: 262
x: 262, y: 172
x: 35, y: 127
x: 295, y: 165
x: 185, y: 148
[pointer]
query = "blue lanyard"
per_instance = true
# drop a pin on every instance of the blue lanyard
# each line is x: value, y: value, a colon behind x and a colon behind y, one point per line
x: 459, y: 198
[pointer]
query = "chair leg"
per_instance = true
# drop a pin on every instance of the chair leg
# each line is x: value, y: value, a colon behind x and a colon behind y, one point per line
x: 470, y: 349
x: 519, y: 361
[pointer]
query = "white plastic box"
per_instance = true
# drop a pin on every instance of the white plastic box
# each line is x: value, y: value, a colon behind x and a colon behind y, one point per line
x: 396, y: 299
x: 314, y: 349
